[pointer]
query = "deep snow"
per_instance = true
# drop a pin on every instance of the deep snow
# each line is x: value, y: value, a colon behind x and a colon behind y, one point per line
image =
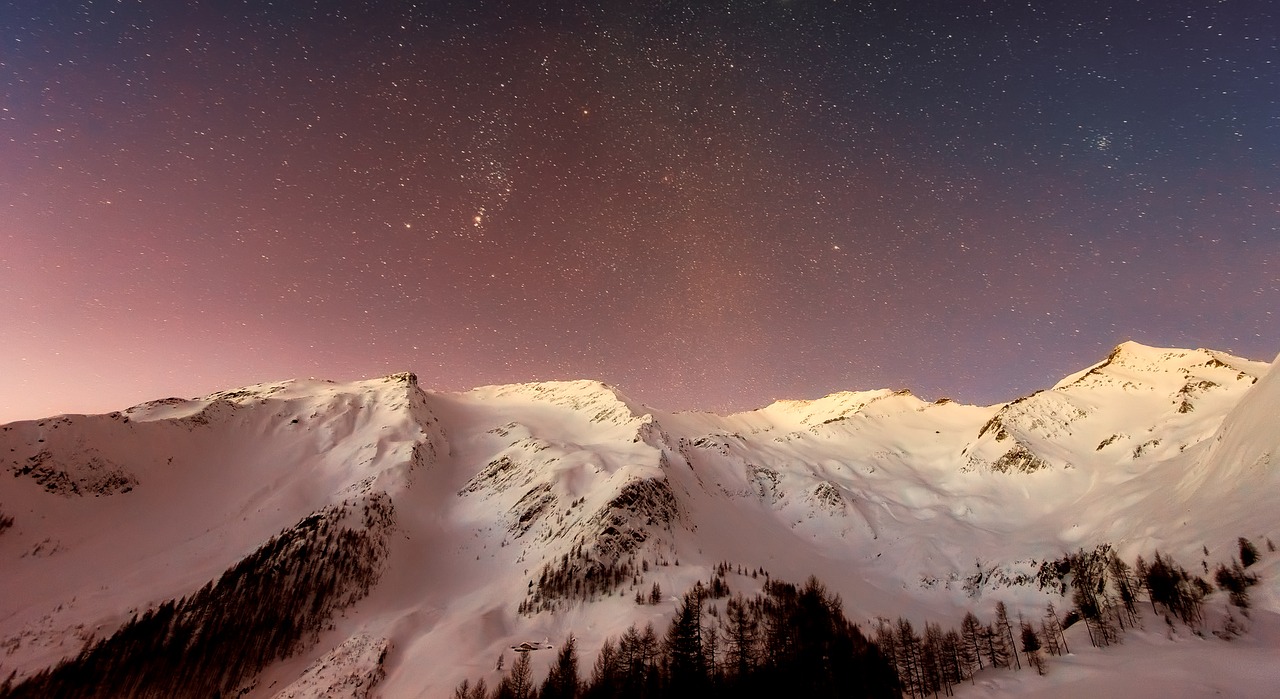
x: 892, y: 501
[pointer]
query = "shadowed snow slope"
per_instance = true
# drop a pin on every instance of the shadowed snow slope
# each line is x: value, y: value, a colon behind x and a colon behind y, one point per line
x: 523, y: 512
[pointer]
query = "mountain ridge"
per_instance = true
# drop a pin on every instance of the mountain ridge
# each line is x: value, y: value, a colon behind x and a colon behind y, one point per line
x: 528, y: 510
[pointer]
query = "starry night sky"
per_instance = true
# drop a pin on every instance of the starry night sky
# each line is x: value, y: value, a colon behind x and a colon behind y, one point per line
x: 707, y: 204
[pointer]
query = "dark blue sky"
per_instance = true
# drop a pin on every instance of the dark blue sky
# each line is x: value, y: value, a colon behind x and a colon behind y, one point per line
x: 710, y: 205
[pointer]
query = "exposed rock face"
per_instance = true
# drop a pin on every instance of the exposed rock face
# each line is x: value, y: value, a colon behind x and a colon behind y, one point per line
x: 90, y: 474
x: 1019, y: 459
x: 350, y: 671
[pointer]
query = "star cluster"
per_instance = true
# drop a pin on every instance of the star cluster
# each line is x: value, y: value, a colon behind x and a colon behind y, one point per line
x: 709, y: 204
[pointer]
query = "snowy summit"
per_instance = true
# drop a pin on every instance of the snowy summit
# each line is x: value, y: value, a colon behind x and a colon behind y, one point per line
x: 376, y: 538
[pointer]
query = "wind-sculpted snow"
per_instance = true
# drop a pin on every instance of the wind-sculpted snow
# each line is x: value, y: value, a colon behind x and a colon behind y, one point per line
x: 597, y: 402
x: 828, y: 409
x: 1155, y: 390
x: 525, y: 511
x: 1243, y: 460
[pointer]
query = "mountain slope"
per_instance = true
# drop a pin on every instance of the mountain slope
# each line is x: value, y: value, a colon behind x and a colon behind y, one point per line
x: 518, y: 513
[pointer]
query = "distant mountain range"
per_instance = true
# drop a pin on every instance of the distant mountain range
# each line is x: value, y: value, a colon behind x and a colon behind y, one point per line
x: 376, y: 538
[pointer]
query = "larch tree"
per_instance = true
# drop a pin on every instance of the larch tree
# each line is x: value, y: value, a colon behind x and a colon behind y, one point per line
x: 971, y: 636
x: 1031, y: 647
x: 562, y: 679
x: 1004, y: 627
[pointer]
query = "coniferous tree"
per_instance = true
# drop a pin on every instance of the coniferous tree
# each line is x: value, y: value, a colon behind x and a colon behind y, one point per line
x: 1161, y: 583
x: 1086, y: 580
x: 1236, y: 582
x: 479, y: 690
x: 649, y: 653
x: 887, y: 641
x: 1126, y: 587
x: 1004, y: 627
x: 606, y: 673
x: 711, y: 653
x: 741, y: 637
x: 824, y: 655
x: 267, y: 606
x: 996, y: 646
x: 1248, y: 552
x: 1049, y: 639
x: 933, y: 659
x: 1171, y: 585
x: 1031, y: 647
x: 1051, y: 618
x: 518, y: 682
x: 562, y: 680
x: 956, y: 663
x: 778, y: 635
x: 910, y: 667
x: 634, y: 658
x: 1140, y: 572
x: 683, y: 646
x: 971, y: 635
x: 821, y: 634
x: 1104, y: 625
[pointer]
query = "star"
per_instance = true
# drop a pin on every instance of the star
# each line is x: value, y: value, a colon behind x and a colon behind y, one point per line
x: 653, y: 192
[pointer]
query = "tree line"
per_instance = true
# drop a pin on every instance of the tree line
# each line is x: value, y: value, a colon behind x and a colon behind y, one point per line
x: 796, y: 641
x: 265, y: 608
x: 1105, y: 592
x: 937, y: 660
x: 787, y: 640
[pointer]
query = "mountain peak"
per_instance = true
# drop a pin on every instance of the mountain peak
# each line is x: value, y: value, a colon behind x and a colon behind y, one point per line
x: 533, y: 510
x: 1131, y: 359
x: 834, y: 406
x: 605, y: 402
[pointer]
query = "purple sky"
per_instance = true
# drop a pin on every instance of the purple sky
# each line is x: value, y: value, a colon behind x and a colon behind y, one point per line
x: 707, y: 208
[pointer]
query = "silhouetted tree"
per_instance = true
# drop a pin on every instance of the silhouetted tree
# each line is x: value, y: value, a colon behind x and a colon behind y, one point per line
x: 1031, y: 646
x: 822, y: 654
x: 971, y: 636
x: 910, y: 662
x: 1004, y: 627
x: 466, y: 690
x: 562, y: 680
x: 683, y: 646
x: 740, y: 640
x: 1248, y: 552
x: 518, y: 682
x: 1236, y: 582
x: 606, y: 673
x: 266, y: 607
x: 711, y: 652
x: 1169, y: 584
x: 1122, y: 579
x: 996, y: 646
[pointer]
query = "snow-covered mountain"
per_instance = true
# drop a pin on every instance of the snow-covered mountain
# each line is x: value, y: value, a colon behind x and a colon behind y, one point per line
x: 467, y: 523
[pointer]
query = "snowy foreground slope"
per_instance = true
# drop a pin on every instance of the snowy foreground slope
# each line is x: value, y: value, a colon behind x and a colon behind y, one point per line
x: 468, y: 523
